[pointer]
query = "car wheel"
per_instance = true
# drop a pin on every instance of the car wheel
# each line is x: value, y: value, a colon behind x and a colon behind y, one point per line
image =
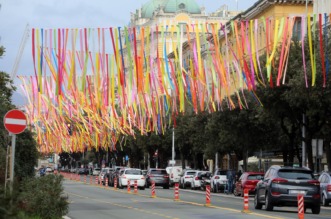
x: 268, y: 205
x: 235, y: 193
x: 316, y: 209
x: 165, y: 187
x: 184, y: 186
x: 257, y: 204
x: 324, y: 201
x: 146, y: 185
x: 242, y: 192
x: 142, y: 188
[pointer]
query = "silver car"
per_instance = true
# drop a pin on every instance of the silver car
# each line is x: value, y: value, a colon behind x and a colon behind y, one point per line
x: 325, y: 185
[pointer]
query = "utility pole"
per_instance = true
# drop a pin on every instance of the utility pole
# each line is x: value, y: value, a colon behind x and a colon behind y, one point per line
x: 173, y: 148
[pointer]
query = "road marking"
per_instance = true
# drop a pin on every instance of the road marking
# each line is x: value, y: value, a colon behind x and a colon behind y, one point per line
x: 186, y: 202
x: 123, y: 206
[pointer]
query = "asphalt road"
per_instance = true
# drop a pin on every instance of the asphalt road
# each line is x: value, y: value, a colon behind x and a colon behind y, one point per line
x: 91, y: 201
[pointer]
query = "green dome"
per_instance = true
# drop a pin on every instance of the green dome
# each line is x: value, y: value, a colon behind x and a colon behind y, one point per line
x: 190, y: 6
x: 151, y: 6
x: 170, y: 6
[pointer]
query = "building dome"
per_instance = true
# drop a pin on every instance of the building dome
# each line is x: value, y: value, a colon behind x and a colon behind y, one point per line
x: 189, y: 6
x: 169, y: 6
x: 148, y: 8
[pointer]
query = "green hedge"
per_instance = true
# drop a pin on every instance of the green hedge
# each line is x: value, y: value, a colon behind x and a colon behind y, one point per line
x: 36, y: 198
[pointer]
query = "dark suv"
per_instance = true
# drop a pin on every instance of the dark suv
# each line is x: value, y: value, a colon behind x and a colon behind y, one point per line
x: 113, y: 175
x: 281, y: 186
x: 159, y: 176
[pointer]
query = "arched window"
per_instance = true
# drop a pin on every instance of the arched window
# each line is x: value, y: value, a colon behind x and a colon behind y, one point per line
x: 181, y: 6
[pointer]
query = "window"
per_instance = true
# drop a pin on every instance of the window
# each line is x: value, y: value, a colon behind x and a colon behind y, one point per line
x: 297, y: 29
x: 181, y: 6
x: 295, y: 174
x: 133, y: 172
x: 162, y: 172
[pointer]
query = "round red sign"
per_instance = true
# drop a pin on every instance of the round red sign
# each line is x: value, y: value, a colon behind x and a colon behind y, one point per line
x: 15, y: 121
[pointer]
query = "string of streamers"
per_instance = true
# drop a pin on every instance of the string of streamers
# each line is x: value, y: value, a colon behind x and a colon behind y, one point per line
x: 94, y: 85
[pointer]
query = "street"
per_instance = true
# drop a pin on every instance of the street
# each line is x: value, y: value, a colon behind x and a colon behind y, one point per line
x: 95, y: 201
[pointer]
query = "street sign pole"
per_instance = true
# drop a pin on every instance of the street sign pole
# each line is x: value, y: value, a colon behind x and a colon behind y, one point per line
x: 15, y: 122
x: 12, y: 162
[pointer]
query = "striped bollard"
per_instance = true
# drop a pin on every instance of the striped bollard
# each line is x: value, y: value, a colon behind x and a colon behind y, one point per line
x: 106, y: 184
x: 246, y: 207
x: 207, y: 195
x: 153, y: 190
x: 85, y: 179
x: 129, y: 186
x: 96, y: 180
x: 135, y: 191
x: 301, y: 207
x: 176, y: 192
x: 100, y: 183
x: 115, y: 183
x: 90, y: 180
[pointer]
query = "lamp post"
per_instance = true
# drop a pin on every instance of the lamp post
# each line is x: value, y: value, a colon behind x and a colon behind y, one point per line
x: 173, y: 147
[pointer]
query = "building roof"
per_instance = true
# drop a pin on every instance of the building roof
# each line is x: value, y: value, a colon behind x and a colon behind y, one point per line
x: 169, y: 6
x: 189, y: 6
x: 151, y: 6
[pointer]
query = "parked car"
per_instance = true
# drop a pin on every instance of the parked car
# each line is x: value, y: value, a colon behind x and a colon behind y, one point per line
x: 132, y: 175
x: 83, y: 171
x: 281, y: 186
x: 96, y: 171
x: 102, y: 174
x: 114, y: 174
x: 325, y: 187
x: 186, y: 178
x: 174, y: 174
x: 201, y: 178
x: 247, y: 180
x: 159, y: 176
x: 219, y: 181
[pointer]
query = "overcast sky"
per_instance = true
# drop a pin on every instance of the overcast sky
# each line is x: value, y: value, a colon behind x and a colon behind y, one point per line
x: 16, y: 14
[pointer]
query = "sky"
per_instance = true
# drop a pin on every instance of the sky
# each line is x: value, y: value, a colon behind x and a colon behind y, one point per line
x: 15, y: 15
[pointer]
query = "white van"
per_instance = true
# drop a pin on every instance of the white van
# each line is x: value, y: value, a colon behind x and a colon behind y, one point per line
x: 174, y: 174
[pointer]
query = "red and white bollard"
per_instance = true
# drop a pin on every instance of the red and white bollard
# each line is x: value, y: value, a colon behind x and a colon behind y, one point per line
x: 246, y: 201
x: 176, y: 192
x: 115, y: 183
x: 301, y: 207
x: 106, y: 184
x: 129, y: 186
x: 153, y: 190
x: 90, y: 180
x: 207, y: 195
x: 85, y: 179
x: 96, y: 180
x: 100, y: 182
x: 135, y: 191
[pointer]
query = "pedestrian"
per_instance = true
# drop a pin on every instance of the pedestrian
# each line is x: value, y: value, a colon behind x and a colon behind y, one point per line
x: 230, y: 180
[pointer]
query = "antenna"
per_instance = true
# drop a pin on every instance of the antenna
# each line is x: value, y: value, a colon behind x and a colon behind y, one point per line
x: 20, y: 52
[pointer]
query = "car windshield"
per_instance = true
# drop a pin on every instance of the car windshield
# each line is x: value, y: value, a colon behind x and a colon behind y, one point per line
x: 133, y: 172
x: 295, y: 174
x: 161, y: 172
x: 254, y: 177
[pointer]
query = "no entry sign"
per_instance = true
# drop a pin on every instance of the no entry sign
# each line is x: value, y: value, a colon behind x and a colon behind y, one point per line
x: 15, y: 121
